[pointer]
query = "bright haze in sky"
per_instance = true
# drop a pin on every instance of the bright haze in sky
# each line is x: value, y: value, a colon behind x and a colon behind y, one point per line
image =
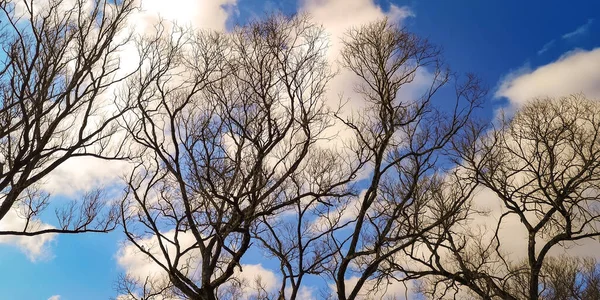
x: 520, y: 50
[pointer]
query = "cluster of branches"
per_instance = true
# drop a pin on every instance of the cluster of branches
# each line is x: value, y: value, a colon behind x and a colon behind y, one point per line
x: 236, y: 131
x: 229, y: 123
x: 237, y: 147
x: 58, y: 62
x: 235, y: 128
x: 542, y: 168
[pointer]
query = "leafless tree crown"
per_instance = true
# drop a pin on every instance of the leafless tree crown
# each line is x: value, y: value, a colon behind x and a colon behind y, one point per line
x: 230, y: 123
x: 59, y: 63
x: 235, y: 148
x: 542, y: 165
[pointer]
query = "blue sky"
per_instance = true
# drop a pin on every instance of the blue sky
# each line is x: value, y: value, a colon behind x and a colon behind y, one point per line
x: 496, y: 40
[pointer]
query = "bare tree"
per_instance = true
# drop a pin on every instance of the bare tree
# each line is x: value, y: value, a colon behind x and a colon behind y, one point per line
x: 59, y: 60
x: 564, y: 277
x: 543, y: 165
x: 406, y: 142
x: 300, y: 240
x: 401, y: 144
x: 230, y: 123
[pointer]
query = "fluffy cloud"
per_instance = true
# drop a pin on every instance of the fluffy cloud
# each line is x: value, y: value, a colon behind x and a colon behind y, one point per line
x: 333, y: 15
x: 35, y: 247
x: 137, y: 265
x: 55, y: 297
x: 207, y: 14
x: 577, y: 71
x: 305, y: 293
x: 83, y: 174
x: 393, y: 290
x: 512, y: 234
x: 255, y: 277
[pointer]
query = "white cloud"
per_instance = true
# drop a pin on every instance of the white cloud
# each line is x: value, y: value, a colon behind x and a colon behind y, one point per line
x: 83, y: 174
x: 546, y: 47
x: 35, y: 247
x: 86, y: 173
x: 55, y: 297
x: 577, y: 71
x: 206, y: 14
x: 304, y: 293
x: 512, y: 234
x: 392, y: 290
x: 139, y: 266
x: 579, y: 31
x: 398, y: 14
x: 255, y: 277
x: 333, y: 15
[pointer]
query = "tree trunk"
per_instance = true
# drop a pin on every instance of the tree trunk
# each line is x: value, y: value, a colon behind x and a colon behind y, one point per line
x: 207, y: 294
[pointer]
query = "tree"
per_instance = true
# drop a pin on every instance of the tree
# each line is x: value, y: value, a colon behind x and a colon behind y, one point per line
x: 543, y: 166
x: 230, y: 123
x: 356, y: 240
x: 300, y: 239
x: 405, y: 142
x: 564, y: 277
x: 59, y: 61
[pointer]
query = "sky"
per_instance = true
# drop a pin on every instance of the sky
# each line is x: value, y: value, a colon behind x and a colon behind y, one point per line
x: 519, y: 49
